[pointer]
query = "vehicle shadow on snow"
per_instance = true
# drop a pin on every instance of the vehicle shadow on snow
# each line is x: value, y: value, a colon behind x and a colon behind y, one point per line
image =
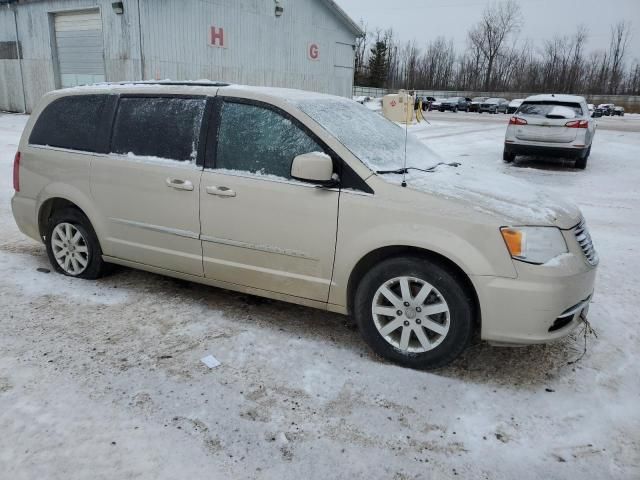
x: 546, y: 163
x: 530, y: 366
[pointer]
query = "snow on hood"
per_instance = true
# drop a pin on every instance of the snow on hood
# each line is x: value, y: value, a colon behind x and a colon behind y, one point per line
x: 510, y: 200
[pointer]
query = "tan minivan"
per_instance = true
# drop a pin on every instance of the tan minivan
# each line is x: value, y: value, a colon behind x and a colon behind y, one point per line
x: 304, y: 198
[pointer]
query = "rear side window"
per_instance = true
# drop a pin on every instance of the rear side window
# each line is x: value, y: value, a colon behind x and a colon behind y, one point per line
x: 260, y: 140
x: 167, y: 127
x: 71, y: 122
x: 542, y: 109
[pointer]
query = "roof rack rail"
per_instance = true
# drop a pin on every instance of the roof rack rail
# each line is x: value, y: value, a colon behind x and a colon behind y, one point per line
x: 186, y: 83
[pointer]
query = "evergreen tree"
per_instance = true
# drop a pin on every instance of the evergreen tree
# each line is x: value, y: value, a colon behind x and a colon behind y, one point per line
x: 379, y: 63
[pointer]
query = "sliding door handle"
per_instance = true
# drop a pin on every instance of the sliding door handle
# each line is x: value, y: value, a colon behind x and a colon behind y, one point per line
x: 221, y: 191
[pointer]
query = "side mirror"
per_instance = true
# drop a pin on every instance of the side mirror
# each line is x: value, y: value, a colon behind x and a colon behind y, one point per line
x: 596, y: 114
x: 315, y: 167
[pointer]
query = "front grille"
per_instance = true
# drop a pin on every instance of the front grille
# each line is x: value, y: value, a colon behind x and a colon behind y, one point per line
x: 586, y: 244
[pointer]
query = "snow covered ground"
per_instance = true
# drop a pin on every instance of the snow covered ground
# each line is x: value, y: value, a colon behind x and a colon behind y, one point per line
x: 104, y: 380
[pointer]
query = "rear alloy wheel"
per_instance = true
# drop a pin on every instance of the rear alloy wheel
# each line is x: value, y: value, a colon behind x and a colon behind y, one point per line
x: 70, y: 249
x: 72, y: 245
x: 414, y: 312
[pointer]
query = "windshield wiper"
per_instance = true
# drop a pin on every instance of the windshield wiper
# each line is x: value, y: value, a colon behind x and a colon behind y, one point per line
x: 400, y: 171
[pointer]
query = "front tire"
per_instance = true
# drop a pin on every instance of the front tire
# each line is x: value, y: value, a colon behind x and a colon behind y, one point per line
x: 72, y: 245
x: 414, y: 312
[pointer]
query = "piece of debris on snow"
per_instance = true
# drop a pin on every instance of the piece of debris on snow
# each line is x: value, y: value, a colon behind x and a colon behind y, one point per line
x: 210, y: 361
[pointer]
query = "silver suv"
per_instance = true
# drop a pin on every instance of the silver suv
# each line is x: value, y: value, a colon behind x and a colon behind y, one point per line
x: 558, y: 125
x: 304, y: 198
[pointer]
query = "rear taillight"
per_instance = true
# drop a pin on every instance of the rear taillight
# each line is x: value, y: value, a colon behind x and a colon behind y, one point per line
x: 16, y: 172
x: 577, y: 124
x: 517, y: 121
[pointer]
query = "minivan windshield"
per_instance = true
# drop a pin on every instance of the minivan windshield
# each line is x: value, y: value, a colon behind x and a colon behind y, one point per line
x: 376, y: 141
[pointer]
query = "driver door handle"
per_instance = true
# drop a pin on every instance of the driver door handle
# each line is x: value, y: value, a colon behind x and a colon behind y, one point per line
x: 220, y: 191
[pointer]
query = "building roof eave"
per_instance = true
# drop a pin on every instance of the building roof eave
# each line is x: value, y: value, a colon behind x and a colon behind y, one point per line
x: 342, y: 15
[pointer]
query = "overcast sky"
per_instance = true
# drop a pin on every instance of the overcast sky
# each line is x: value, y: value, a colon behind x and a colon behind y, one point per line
x: 424, y: 20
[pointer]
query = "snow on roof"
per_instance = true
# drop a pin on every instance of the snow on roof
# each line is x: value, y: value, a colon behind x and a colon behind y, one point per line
x: 554, y: 98
x: 199, y: 87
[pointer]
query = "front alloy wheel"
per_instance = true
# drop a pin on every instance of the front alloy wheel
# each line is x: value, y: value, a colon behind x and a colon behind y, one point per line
x: 410, y: 314
x: 415, y: 311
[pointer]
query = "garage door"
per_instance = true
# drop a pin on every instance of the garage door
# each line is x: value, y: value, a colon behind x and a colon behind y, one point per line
x: 79, y: 48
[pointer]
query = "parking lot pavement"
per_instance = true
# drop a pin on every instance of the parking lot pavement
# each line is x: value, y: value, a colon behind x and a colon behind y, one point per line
x: 629, y: 123
x: 104, y: 380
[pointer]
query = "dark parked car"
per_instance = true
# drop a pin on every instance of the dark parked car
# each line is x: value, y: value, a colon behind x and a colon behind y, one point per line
x: 474, y: 105
x: 454, y: 104
x: 494, y: 105
x: 426, y: 101
x: 619, y: 111
x: 514, y: 105
x: 605, y: 109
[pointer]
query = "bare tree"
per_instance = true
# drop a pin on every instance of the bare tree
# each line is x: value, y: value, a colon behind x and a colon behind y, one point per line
x: 620, y: 34
x: 498, y: 22
x: 360, y: 54
x: 559, y: 65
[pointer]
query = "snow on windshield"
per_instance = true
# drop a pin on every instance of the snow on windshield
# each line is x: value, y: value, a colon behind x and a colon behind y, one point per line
x: 377, y: 142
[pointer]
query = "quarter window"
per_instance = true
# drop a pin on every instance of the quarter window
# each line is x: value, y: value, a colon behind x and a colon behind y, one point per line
x: 158, y: 127
x: 259, y: 140
x: 71, y: 122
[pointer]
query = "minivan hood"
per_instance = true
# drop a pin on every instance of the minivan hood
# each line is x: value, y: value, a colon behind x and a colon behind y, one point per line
x: 510, y: 200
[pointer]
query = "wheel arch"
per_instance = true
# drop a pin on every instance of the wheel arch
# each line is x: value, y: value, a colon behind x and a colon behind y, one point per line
x: 384, y: 253
x: 50, y: 206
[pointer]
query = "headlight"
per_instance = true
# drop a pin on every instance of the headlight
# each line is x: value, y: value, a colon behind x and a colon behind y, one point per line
x: 534, y: 244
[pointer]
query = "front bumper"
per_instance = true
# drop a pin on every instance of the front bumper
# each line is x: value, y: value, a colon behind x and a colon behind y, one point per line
x: 544, y: 302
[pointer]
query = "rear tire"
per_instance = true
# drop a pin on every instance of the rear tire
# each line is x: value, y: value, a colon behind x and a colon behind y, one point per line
x: 402, y: 291
x: 581, y: 162
x: 72, y: 245
x: 508, y: 157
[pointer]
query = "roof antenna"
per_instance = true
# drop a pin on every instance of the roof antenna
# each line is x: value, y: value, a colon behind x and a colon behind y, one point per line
x: 406, y: 134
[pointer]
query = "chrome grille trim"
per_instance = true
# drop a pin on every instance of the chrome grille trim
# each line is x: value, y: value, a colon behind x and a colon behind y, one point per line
x: 586, y: 244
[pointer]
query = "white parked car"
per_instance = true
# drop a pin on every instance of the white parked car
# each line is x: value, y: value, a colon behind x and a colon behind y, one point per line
x: 514, y: 105
x: 299, y: 197
x: 555, y: 125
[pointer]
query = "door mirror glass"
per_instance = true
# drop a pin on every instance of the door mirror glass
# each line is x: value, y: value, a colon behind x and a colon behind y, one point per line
x: 316, y: 167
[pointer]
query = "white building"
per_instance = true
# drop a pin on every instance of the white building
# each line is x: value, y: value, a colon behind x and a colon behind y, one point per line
x: 49, y: 44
